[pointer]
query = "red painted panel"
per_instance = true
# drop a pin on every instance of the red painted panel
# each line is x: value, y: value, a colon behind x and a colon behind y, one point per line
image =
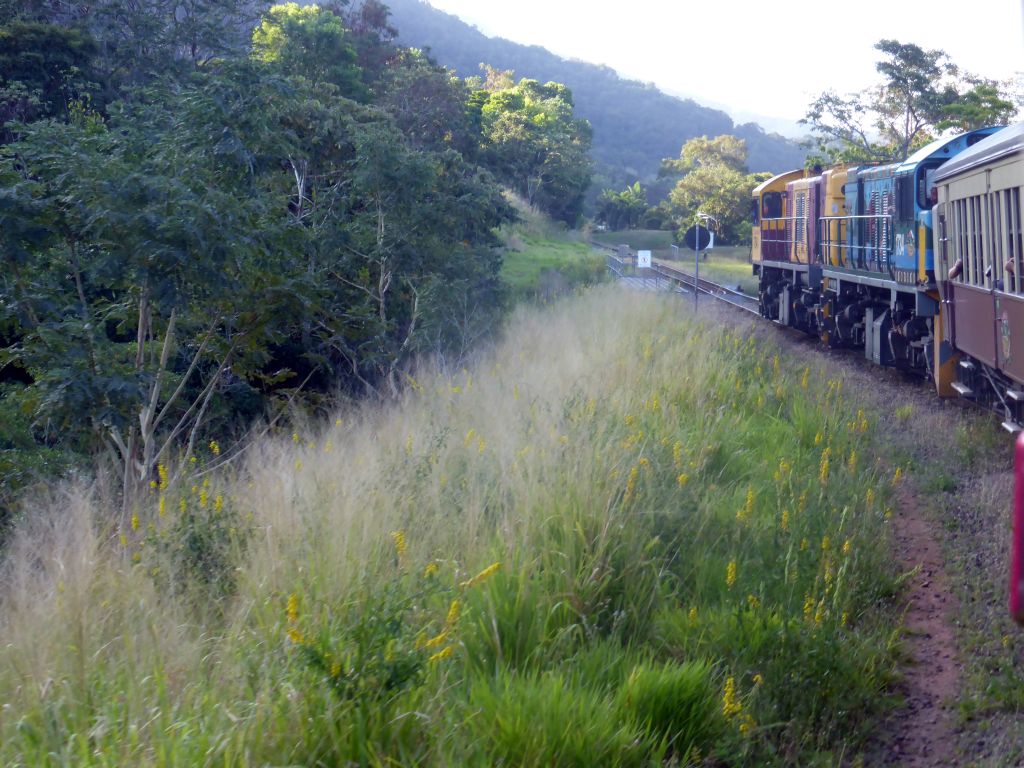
x: 974, y: 321
x: 1010, y: 335
x: 1017, y: 543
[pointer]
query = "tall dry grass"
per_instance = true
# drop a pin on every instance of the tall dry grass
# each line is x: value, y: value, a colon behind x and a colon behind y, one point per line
x: 622, y: 467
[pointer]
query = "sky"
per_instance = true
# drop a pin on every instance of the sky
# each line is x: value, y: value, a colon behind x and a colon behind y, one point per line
x: 720, y: 52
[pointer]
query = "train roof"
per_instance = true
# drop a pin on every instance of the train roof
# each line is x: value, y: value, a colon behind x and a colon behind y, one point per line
x: 999, y: 144
x: 776, y: 178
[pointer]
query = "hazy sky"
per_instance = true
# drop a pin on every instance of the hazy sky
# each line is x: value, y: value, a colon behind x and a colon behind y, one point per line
x: 721, y: 51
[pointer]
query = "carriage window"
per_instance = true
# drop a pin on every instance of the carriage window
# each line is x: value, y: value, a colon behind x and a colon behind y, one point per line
x: 771, y: 205
x: 1014, y: 236
x: 1000, y: 276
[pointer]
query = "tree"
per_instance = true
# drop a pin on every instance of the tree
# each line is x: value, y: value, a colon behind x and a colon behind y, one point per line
x: 43, y: 69
x: 531, y: 140
x: 715, y: 182
x: 312, y: 42
x: 622, y: 210
x: 921, y: 94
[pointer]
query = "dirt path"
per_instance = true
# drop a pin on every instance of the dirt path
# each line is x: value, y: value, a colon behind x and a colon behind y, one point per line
x: 924, y: 734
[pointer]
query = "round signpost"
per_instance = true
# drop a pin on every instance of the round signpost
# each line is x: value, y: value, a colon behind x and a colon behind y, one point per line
x: 699, y: 239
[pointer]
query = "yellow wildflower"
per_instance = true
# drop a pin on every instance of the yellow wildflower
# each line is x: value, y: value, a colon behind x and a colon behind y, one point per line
x: 295, y: 437
x: 485, y: 574
x: 731, y: 706
x: 182, y: 505
x: 295, y: 635
x: 844, y: 618
x: 803, y: 379
x: 202, y: 498
x: 747, y: 724
x: 683, y: 479
x: 400, y: 545
x: 135, y: 522
x: 803, y: 545
x: 758, y: 679
x: 784, y: 522
x: 897, y: 476
x: 292, y: 609
x: 692, y: 614
x: 753, y: 602
x: 744, y: 514
x: 824, y: 467
x: 123, y: 539
x: 818, y: 438
x: 677, y: 454
x: 730, y: 574
x: 852, y: 462
x: 162, y: 506
x: 453, y: 612
x: 847, y: 547
x: 161, y: 472
x: 137, y: 557
x: 218, y: 503
x: 634, y: 473
x: 469, y: 438
x: 869, y: 497
x: 825, y: 543
x: 808, y: 606
x: 436, y: 640
x: 430, y: 570
x: 215, y: 448
x: 444, y: 653
x: 336, y: 669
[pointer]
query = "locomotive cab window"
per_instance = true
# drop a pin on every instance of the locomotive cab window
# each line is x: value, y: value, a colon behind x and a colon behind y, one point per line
x: 755, y: 213
x: 771, y: 205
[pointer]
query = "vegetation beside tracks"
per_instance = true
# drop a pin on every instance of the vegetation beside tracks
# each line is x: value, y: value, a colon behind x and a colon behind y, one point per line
x: 577, y: 552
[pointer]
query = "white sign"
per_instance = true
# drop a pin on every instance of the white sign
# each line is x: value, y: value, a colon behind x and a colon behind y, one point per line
x: 643, y: 259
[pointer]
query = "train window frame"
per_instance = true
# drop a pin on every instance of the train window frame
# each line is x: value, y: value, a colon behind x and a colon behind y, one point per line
x: 1014, y: 237
x: 771, y: 205
x: 904, y: 197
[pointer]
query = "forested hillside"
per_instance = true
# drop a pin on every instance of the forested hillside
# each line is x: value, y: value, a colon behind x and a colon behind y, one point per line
x: 635, y: 125
x: 212, y: 213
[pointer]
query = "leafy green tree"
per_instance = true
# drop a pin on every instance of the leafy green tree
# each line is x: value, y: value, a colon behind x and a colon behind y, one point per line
x: 726, y: 150
x: 428, y: 103
x: 43, y: 69
x: 312, y: 42
x: 532, y: 141
x: 921, y: 93
x: 715, y: 182
x: 622, y: 210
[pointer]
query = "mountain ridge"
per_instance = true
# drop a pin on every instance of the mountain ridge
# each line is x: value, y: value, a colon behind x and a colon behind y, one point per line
x: 635, y: 124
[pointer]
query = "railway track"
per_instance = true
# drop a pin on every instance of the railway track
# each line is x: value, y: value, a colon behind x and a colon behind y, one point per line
x: 662, y: 272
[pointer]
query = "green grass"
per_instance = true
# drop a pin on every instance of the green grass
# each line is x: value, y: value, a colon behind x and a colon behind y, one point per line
x: 656, y: 240
x: 543, y: 260
x: 577, y: 552
x: 542, y: 267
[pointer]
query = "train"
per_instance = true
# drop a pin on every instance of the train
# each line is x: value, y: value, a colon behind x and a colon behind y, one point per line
x: 918, y: 263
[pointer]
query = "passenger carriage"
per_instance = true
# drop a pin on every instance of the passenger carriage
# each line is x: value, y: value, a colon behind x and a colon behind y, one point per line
x: 980, y: 244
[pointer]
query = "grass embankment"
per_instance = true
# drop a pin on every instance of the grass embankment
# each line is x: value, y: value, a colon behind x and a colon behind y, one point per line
x: 626, y: 536
x: 725, y: 264
x: 543, y: 259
